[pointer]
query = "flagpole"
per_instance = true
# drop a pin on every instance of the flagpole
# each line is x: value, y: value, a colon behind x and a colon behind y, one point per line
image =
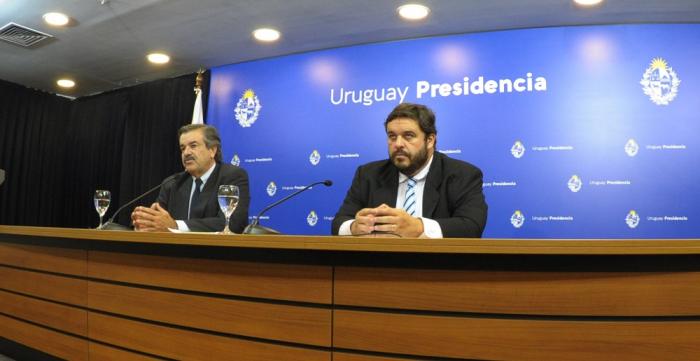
x: 198, y: 112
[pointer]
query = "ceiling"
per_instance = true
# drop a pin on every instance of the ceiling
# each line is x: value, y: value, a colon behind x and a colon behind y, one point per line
x: 105, y: 45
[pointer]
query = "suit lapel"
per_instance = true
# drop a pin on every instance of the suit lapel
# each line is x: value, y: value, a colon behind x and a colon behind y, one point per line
x: 431, y: 193
x: 181, y: 198
x: 388, y: 187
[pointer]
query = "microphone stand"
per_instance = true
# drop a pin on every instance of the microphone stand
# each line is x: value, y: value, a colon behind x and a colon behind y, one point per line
x: 256, y: 228
x: 110, y: 225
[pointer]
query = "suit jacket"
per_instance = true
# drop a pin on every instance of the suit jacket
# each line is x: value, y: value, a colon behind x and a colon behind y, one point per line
x: 206, y: 214
x: 452, y: 195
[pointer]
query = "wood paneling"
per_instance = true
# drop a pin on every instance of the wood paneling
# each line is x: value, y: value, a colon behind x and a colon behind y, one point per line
x: 345, y: 356
x: 45, y: 340
x: 541, y: 293
x: 64, y: 318
x: 371, y: 244
x: 307, y: 325
x: 57, y: 288
x: 181, y: 344
x: 484, y: 314
x: 52, y: 259
x: 253, y: 279
x: 99, y: 352
x: 516, y: 339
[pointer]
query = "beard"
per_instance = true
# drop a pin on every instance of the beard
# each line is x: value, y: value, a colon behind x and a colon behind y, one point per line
x: 415, y: 161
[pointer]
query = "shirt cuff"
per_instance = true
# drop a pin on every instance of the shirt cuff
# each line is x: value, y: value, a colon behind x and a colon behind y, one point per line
x: 431, y: 228
x: 345, y: 228
x: 182, y: 226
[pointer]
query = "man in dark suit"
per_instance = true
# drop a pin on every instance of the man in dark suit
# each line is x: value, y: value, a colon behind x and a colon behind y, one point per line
x: 189, y: 202
x: 434, y: 196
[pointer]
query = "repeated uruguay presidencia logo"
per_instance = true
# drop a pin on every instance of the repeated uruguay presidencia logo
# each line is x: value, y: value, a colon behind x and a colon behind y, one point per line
x: 631, y: 147
x: 312, y: 218
x: 517, y: 219
x: 518, y: 149
x: 574, y: 183
x: 271, y: 189
x: 632, y: 219
x: 315, y: 157
x: 247, y: 109
x: 235, y: 160
x: 660, y: 82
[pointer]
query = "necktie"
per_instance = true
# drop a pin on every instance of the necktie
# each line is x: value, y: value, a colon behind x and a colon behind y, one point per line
x: 195, y: 196
x: 409, y: 204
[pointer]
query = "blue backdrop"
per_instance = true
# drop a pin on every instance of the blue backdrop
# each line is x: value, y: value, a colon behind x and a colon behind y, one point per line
x: 581, y: 132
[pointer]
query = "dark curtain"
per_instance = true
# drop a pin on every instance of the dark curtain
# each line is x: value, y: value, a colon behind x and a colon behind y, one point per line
x: 57, y: 152
x: 33, y: 131
x: 151, y: 149
x: 93, y: 155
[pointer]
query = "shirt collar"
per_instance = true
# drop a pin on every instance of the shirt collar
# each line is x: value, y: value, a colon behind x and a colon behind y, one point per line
x: 420, y: 175
x: 206, y: 175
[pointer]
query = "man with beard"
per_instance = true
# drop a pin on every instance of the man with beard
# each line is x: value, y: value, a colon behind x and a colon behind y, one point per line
x: 189, y: 202
x: 434, y: 196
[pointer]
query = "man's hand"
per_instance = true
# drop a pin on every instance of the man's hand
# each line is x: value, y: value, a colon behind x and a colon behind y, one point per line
x: 386, y: 219
x: 364, y: 222
x: 394, y: 220
x: 153, y: 219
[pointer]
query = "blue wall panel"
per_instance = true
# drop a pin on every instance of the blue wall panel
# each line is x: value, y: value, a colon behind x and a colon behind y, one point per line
x: 583, y: 120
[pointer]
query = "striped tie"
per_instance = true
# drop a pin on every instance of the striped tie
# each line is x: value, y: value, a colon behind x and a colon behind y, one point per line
x: 409, y: 205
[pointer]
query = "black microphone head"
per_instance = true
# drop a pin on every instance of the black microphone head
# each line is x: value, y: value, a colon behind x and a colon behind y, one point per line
x: 328, y: 182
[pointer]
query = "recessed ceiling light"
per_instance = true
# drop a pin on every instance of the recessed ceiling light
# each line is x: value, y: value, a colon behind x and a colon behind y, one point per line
x: 413, y: 11
x: 158, y: 58
x: 56, y: 19
x: 588, y: 2
x: 65, y: 83
x: 266, y: 34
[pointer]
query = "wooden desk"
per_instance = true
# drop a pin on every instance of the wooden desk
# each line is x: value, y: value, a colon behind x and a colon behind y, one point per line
x: 108, y: 295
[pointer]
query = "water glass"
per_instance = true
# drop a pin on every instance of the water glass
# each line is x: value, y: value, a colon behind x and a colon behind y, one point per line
x: 102, y: 199
x: 228, y: 200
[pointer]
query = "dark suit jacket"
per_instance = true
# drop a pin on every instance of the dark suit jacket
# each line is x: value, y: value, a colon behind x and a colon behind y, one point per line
x: 206, y: 215
x: 452, y: 195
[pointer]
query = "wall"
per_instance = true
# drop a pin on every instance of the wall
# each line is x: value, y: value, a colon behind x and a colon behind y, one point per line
x: 579, y: 132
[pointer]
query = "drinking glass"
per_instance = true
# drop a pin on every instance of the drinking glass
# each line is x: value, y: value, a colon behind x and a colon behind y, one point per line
x: 228, y: 200
x: 102, y: 198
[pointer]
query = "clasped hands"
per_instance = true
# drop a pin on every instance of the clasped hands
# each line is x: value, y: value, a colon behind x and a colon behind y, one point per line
x: 152, y: 219
x: 386, y: 219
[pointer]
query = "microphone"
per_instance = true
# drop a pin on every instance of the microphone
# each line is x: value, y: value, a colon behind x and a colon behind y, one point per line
x: 111, y: 226
x: 256, y: 228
